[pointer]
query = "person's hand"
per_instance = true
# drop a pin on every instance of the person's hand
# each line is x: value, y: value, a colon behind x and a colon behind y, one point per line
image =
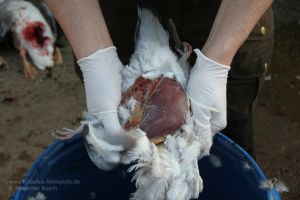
x: 207, y: 91
x: 107, y: 150
x: 102, y: 81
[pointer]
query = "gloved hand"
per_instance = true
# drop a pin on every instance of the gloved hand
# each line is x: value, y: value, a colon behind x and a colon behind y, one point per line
x: 102, y: 81
x: 207, y: 91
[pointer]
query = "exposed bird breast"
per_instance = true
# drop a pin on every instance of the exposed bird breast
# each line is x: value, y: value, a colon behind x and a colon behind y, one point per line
x: 160, y: 107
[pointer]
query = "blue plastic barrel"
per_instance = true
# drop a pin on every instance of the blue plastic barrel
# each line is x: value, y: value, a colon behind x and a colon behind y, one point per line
x: 64, y: 171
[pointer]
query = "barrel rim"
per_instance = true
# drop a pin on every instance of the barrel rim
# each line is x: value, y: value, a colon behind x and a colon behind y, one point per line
x: 57, y: 145
x: 270, y: 192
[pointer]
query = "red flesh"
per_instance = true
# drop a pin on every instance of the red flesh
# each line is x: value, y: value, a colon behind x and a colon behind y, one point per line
x: 34, y: 33
x: 162, y: 105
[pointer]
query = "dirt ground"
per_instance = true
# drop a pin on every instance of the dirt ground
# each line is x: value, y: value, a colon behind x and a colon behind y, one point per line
x: 30, y: 109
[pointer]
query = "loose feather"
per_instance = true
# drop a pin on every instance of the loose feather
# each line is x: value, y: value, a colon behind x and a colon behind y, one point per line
x: 38, y: 196
x: 215, y: 160
x: 274, y: 183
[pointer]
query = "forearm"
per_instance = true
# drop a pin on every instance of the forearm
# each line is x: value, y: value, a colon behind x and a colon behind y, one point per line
x: 83, y: 23
x: 233, y: 24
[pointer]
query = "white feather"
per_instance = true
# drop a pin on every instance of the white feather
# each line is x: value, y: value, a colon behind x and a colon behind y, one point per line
x: 172, y: 166
x: 215, y: 160
x: 281, y: 187
x: 247, y: 166
x: 132, y: 103
x: 95, y: 138
x: 152, y: 57
x: 124, y: 115
x: 149, y: 174
x: 274, y: 183
x: 38, y: 196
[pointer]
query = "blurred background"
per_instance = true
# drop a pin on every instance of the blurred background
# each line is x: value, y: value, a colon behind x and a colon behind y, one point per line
x: 30, y: 109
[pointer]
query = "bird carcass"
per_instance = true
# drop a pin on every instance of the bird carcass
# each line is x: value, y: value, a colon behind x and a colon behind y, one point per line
x: 31, y: 33
x: 155, y: 110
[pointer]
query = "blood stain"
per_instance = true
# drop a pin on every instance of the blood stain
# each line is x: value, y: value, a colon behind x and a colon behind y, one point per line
x: 34, y: 33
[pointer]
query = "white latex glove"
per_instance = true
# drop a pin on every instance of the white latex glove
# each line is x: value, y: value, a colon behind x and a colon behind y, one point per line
x: 207, y: 91
x: 102, y: 81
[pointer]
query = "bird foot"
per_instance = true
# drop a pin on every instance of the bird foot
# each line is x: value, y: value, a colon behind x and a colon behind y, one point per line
x: 183, y: 49
x: 58, y: 58
x: 29, y: 71
x: 3, y: 64
x: 187, y: 50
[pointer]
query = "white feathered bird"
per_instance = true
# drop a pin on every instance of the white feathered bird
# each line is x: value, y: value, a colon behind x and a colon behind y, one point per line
x: 32, y: 34
x: 168, y: 171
